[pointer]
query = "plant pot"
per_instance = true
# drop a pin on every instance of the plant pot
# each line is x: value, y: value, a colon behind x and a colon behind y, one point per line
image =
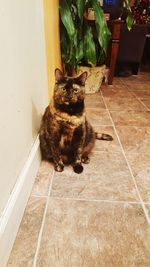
x: 95, y: 78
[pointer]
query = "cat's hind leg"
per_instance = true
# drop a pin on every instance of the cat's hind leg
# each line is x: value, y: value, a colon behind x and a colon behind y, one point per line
x: 87, y: 150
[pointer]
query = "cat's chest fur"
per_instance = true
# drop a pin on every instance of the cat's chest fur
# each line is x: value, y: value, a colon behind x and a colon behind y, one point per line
x: 69, y: 121
x: 67, y: 125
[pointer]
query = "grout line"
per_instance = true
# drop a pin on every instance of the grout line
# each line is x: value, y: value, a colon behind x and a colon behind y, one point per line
x: 113, y: 153
x: 97, y: 200
x: 138, y: 99
x: 133, y: 178
x: 93, y: 200
x: 40, y: 196
x: 100, y: 125
x: 127, y: 110
x: 96, y: 153
x: 104, y: 151
x: 131, y: 126
x: 142, y: 103
x: 43, y: 222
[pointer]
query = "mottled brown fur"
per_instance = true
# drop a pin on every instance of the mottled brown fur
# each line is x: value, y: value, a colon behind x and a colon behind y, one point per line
x: 65, y: 134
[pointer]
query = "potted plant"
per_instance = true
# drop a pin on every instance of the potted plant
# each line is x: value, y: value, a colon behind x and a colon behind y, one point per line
x: 80, y: 44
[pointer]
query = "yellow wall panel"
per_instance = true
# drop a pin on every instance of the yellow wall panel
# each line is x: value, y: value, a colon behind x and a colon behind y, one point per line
x: 51, y: 20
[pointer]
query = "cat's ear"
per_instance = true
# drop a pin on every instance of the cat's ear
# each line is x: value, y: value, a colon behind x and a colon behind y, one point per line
x: 58, y: 75
x: 82, y: 78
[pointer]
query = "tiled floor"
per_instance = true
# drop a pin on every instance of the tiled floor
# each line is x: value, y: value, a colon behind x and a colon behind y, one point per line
x: 100, y: 218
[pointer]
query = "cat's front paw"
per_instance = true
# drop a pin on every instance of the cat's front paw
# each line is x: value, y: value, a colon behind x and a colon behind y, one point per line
x: 78, y: 168
x: 59, y: 167
x: 85, y: 159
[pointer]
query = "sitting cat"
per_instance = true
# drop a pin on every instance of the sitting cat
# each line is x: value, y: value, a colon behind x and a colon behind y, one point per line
x: 66, y: 136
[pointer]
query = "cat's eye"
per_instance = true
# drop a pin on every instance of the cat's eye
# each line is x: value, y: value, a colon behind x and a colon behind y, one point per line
x: 76, y: 90
x: 64, y: 89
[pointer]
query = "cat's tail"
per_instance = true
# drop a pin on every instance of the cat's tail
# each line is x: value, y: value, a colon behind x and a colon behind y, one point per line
x: 102, y: 136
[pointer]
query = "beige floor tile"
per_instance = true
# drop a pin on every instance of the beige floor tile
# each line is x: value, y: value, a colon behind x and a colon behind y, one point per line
x: 105, y: 86
x: 94, y: 101
x: 107, y: 146
x: 88, y: 234
x: 116, y: 92
x: 26, y: 241
x: 135, y: 139
x: 105, y: 177
x: 136, y: 83
x: 131, y: 118
x: 121, y: 87
x: 141, y: 93
x: 98, y: 117
x: 42, y: 181
x: 140, y: 165
x: 137, y: 79
x: 122, y: 103
x: 146, y: 101
x: 118, y: 81
x: 139, y: 87
x: 94, y: 97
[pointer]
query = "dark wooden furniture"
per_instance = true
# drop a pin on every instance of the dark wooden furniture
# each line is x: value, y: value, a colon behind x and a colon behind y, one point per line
x: 146, y: 52
x: 131, y: 47
x: 115, y: 28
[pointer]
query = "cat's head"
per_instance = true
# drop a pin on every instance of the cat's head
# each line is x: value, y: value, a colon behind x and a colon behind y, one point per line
x: 69, y: 90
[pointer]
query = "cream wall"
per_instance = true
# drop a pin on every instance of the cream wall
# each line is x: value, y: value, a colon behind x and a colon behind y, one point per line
x: 23, y: 86
x: 51, y: 11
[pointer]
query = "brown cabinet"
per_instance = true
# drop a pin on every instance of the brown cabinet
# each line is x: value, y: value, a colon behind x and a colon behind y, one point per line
x: 115, y: 28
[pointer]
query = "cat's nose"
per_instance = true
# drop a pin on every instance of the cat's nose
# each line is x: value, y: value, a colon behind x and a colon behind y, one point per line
x: 70, y: 96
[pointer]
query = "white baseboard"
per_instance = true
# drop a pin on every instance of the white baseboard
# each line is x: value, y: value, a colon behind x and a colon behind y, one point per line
x: 13, y: 212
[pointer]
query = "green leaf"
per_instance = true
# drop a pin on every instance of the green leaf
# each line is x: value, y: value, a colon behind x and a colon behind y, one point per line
x: 81, y: 7
x: 65, y: 44
x: 89, y: 46
x: 126, y: 4
x: 68, y: 34
x: 129, y: 22
x: 80, y: 54
x: 66, y: 18
x: 129, y: 19
x: 103, y: 32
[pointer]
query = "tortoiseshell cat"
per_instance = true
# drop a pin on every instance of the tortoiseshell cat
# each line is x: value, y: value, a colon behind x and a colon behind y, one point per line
x: 66, y: 136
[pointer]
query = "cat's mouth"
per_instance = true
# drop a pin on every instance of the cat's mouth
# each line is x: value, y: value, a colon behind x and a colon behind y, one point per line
x: 70, y: 101
x: 67, y: 103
